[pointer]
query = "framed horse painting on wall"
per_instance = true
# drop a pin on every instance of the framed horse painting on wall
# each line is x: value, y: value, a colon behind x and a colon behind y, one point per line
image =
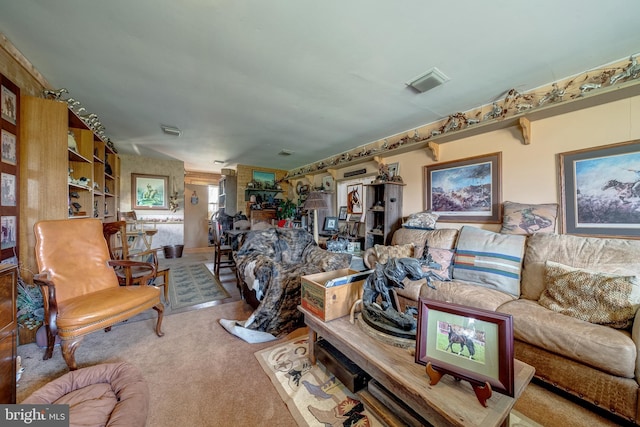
x: 149, y: 191
x: 469, y: 343
x: 600, y: 191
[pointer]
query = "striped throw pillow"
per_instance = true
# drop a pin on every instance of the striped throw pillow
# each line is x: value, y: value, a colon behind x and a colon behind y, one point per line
x: 489, y: 259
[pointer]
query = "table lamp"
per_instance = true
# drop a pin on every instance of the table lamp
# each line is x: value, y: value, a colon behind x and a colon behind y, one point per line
x: 315, y: 201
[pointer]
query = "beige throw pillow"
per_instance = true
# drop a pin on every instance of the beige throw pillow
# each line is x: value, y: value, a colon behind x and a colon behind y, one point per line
x: 396, y: 251
x: 601, y: 298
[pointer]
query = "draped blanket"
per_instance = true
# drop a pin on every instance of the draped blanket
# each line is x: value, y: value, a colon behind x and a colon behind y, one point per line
x: 272, y: 261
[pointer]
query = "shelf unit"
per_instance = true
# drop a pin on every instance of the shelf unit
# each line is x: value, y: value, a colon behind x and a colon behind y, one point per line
x: 384, y: 212
x: 8, y: 333
x: 45, y: 177
x: 227, y: 194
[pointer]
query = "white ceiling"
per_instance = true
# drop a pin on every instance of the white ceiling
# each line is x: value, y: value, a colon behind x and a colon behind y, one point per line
x: 246, y: 79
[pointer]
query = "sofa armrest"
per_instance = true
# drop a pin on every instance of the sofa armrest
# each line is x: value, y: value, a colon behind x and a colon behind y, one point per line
x: 635, y: 336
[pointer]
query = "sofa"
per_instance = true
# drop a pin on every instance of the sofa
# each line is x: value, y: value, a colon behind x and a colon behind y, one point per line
x: 573, y: 301
x: 269, y: 265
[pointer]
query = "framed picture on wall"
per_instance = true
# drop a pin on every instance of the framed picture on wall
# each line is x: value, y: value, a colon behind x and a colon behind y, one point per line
x: 8, y: 147
x: 600, y: 190
x: 149, y: 191
x: 354, y: 198
x: 467, y: 190
x: 9, y: 104
x: 342, y: 215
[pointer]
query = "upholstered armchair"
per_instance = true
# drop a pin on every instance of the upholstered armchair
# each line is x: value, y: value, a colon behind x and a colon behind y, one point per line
x: 270, y: 263
x: 79, y: 286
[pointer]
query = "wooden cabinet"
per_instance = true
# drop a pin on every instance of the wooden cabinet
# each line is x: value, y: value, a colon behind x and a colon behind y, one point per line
x: 8, y: 333
x: 51, y: 173
x: 384, y: 212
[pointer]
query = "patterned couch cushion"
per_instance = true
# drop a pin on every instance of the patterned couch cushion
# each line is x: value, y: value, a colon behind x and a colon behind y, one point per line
x: 520, y: 218
x: 489, y: 259
x: 384, y: 253
x: 594, y: 297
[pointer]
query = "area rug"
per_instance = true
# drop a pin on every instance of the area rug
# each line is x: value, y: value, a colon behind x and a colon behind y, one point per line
x: 192, y: 284
x: 315, y: 397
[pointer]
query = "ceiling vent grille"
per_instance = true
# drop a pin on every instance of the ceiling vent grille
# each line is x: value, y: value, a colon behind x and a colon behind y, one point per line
x: 285, y: 153
x: 428, y: 80
x: 171, y: 130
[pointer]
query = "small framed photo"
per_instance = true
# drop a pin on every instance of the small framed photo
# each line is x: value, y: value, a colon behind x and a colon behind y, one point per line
x: 330, y: 224
x: 8, y: 189
x: 9, y: 235
x: 394, y: 169
x: 355, y: 217
x: 600, y: 191
x: 8, y: 147
x: 9, y: 104
x: 342, y: 215
x: 149, y: 191
x: 469, y: 343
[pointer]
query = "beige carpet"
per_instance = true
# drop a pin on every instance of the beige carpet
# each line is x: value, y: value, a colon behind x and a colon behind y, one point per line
x: 200, y: 375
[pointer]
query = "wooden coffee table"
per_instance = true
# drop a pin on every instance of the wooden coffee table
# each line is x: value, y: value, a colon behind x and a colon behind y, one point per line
x: 449, y: 402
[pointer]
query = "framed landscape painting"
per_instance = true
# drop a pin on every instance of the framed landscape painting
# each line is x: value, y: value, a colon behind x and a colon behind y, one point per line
x: 467, y: 190
x: 149, y: 191
x: 600, y: 191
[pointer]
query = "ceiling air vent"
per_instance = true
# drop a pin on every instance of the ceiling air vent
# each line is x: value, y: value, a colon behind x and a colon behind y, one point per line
x: 285, y: 153
x: 428, y: 80
x: 171, y: 130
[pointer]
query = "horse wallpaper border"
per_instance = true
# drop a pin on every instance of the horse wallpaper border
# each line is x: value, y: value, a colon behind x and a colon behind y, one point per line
x: 483, y: 340
x: 600, y: 190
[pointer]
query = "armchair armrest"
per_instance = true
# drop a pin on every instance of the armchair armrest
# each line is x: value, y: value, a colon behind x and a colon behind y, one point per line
x: 48, y: 289
x: 145, y: 271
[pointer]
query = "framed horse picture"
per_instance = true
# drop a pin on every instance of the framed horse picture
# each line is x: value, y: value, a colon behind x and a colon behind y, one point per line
x: 600, y: 191
x: 469, y: 343
x: 149, y: 191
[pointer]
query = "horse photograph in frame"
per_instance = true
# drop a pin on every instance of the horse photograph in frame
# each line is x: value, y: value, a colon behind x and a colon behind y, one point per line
x: 600, y: 191
x: 472, y: 344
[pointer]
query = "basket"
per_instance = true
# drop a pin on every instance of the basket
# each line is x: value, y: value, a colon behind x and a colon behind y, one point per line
x: 173, y: 251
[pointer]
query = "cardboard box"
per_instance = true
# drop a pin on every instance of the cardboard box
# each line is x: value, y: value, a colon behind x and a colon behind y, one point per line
x: 328, y: 300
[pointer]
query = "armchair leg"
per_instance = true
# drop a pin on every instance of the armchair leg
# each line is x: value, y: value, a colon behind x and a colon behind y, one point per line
x: 160, y: 309
x: 51, y: 342
x: 69, y: 350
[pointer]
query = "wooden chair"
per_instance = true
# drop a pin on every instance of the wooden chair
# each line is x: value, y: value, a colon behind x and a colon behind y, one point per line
x: 80, y: 287
x: 221, y: 249
x: 115, y: 233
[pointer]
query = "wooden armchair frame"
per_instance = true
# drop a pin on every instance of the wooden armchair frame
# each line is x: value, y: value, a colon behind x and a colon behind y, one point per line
x: 79, y: 286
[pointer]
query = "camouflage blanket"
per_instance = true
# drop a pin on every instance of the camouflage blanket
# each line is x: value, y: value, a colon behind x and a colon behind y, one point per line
x: 275, y: 259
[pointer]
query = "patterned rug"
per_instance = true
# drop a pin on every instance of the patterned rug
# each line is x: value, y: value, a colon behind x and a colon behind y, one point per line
x: 192, y: 284
x: 312, y: 394
x: 315, y: 397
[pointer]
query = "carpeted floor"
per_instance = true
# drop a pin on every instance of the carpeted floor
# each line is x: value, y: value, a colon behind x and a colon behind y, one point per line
x: 200, y: 375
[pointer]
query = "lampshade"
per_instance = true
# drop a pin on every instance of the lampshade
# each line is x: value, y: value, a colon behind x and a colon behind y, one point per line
x: 315, y: 201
